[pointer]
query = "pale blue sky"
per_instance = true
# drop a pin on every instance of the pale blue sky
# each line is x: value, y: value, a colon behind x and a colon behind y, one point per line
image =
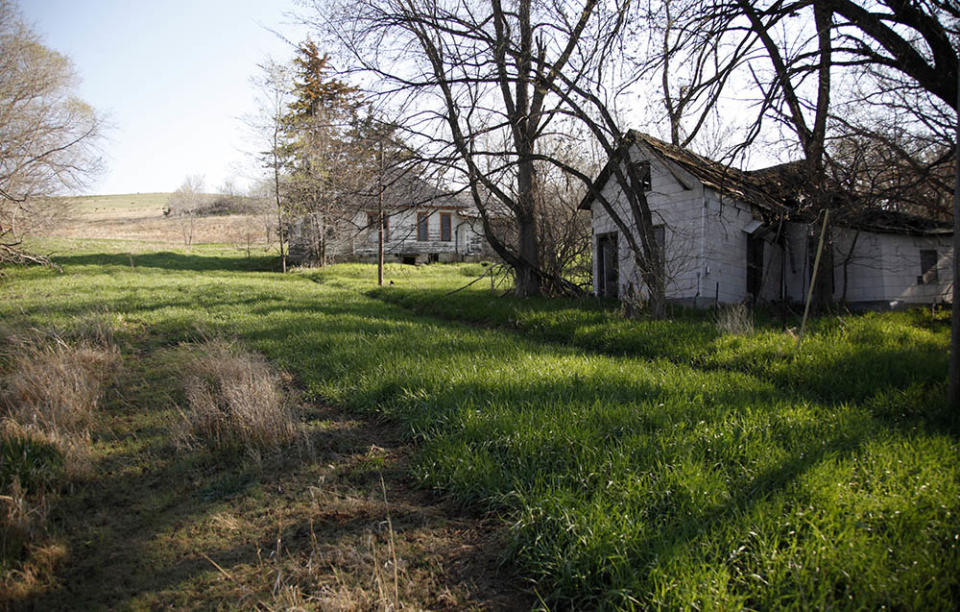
x: 173, y: 78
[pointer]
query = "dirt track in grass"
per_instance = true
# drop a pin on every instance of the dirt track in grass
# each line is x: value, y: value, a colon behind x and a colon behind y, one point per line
x: 156, y: 530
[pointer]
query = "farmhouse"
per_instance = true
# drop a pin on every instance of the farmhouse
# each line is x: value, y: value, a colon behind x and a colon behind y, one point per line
x: 733, y: 236
x: 422, y: 224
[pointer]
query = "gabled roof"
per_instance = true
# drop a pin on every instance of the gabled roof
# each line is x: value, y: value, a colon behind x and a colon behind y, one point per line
x: 778, y: 189
x: 728, y: 181
x: 403, y: 189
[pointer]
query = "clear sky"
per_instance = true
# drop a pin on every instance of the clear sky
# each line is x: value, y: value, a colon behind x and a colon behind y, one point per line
x: 173, y: 78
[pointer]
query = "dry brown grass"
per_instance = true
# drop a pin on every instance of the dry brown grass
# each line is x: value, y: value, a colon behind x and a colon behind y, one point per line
x: 231, y: 229
x: 234, y: 400
x: 25, y: 542
x: 53, y: 388
x: 49, y: 398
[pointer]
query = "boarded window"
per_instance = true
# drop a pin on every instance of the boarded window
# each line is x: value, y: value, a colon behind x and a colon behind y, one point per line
x: 928, y: 267
x: 423, y: 227
x: 446, y: 233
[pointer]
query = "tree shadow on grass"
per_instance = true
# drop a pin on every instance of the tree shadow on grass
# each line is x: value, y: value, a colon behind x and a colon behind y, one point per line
x: 338, y: 338
x: 167, y: 260
x: 852, y: 376
x: 158, y: 527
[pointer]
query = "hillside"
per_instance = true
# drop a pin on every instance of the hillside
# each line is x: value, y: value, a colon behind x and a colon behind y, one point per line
x: 140, y: 217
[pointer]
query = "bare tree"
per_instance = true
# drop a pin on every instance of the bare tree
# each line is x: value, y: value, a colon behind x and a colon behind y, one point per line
x: 692, y: 60
x: 476, y: 79
x: 185, y: 203
x: 274, y: 86
x: 564, y: 232
x: 48, y: 137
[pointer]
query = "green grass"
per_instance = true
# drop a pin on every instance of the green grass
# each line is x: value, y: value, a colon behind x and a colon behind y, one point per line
x: 637, y: 464
x: 844, y: 358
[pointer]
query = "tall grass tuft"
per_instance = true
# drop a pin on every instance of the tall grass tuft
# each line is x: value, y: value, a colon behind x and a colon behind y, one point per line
x: 52, y: 391
x: 234, y: 400
x: 49, y: 394
x: 735, y: 320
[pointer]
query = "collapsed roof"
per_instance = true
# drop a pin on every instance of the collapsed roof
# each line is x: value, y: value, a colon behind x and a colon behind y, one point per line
x: 778, y: 189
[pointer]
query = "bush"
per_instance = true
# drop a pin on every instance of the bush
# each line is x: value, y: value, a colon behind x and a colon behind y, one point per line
x: 234, y: 400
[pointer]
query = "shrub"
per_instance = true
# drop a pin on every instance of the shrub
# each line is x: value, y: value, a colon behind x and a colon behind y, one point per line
x: 234, y: 400
x: 735, y: 320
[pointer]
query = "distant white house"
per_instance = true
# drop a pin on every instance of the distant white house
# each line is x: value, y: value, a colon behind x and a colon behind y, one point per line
x: 729, y: 237
x: 421, y: 225
x: 443, y: 231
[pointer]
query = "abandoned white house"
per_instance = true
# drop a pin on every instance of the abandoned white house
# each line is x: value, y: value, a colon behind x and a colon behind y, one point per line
x: 421, y: 225
x: 730, y: 236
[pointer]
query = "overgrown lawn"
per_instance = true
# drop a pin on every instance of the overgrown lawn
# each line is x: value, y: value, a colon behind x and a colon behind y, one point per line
x: 637, y: 464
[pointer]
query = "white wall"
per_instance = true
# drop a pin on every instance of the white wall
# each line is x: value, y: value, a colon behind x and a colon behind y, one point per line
x: 725, y: 252
x: 676, y: 206
x: 863, y: 269
x: 706, y: 249
x: 901, y: 267
x: 881, y: 269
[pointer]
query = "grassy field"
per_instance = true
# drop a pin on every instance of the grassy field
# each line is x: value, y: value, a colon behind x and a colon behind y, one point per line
x: 139, y: 218
x: 630, y: 463
x: 127, y: 206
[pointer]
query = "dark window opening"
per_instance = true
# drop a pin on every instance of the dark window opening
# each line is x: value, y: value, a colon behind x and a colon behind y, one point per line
x: 608, y: 273
x: 928, y: 267
x: 646, y: 181
x: 409, y: 260
x: 660, y: 236
x: 446, y: 235
x: 754, y: 265
x: 825, y: 287
x: 423, y: 227
x: 433, y: 258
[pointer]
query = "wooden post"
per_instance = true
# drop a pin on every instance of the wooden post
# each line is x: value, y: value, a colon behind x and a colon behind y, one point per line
x: 813, y: 277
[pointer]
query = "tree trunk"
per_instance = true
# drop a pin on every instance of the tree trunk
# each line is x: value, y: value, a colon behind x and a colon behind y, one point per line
x: 658, y: 296
x: 527, y: 269
x: 955, y: 307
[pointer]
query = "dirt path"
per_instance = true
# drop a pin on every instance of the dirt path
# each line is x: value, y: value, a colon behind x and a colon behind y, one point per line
x: 338, y: 528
